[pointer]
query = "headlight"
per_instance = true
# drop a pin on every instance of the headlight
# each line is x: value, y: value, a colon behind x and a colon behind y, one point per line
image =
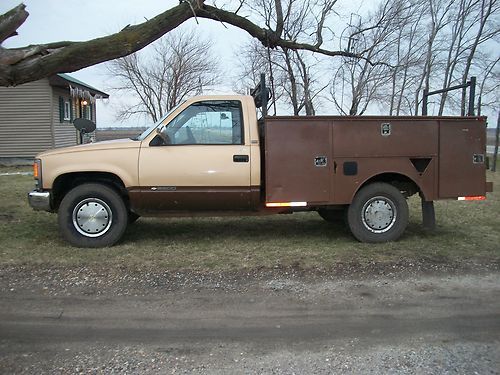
x: 37, y: 173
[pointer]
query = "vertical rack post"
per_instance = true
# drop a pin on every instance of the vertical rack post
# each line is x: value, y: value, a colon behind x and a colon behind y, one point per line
x: 497, y: 141
x: 263, y: 93
x: 472, y: 94
x: 424, y: 102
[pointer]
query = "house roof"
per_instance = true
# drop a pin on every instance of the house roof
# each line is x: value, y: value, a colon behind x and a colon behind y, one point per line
x: 64, y: 80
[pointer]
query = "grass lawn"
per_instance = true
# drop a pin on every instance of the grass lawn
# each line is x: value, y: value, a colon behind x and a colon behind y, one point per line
x: 467, y: 232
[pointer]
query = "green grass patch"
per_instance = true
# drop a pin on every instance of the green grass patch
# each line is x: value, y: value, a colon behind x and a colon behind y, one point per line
x: 467, y: 232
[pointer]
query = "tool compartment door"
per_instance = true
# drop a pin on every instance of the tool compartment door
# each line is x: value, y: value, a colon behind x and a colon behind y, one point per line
x: 298, y: 160
x: 462, y: 168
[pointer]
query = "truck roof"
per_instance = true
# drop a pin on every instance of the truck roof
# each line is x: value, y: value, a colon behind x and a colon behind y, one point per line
x: 384, y: 117
x: 221, y: 97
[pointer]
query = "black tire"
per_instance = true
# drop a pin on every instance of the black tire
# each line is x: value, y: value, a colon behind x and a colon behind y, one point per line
x: 335, y: 216
x: 132, y: 217
x: 378, y: 213
x: 92, y: 215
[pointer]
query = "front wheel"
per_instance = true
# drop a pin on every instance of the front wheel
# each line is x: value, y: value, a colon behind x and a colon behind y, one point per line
x: 378, y: 213
x: 92, y: 215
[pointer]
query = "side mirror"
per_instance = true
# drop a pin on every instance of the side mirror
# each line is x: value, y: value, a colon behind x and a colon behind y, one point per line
x: 163, y: 135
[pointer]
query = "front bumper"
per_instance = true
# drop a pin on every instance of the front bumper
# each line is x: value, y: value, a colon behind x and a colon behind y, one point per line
x: 39, y: 200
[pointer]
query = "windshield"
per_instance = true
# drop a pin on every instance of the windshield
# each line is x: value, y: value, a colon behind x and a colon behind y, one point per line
x: 152, y: 127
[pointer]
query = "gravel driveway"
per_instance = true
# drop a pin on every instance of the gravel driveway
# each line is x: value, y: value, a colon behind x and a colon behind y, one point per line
x: 80, y: 320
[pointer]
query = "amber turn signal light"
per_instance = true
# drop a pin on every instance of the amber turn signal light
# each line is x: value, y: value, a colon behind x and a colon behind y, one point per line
x: 36, y: 170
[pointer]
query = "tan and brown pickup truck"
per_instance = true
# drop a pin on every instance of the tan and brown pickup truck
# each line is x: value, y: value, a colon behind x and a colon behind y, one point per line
x: 211, y: 156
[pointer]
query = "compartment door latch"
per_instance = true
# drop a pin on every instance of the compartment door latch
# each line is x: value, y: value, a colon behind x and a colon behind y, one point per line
x: 320, y: 161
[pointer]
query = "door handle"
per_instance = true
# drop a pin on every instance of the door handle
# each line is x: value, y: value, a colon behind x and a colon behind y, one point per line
x: 240, y: 158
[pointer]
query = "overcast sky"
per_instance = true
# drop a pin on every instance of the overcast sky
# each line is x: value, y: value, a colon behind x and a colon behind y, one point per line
x: 54, y: 20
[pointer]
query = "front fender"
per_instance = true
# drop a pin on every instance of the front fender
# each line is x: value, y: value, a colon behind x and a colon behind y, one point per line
x: 121, y: 162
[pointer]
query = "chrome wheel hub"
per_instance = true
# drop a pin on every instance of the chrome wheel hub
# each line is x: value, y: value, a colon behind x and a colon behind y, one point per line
x: 379, y: 214
x: 92, y: 217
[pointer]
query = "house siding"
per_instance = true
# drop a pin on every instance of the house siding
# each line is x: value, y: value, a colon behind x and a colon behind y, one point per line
x: 65, y: 133
x: 25, y: 120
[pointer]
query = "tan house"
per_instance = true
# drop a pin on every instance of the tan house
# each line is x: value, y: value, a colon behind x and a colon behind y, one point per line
x: 39, y: 115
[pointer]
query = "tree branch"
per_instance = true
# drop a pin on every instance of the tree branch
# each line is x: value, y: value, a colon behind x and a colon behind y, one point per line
x: 21, y: 65
x: 10, y: 21
x: 279, y: 18
x: 267, y: 37
x: 46, y: 60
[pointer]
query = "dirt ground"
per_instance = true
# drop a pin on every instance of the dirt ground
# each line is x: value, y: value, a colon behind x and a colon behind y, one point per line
x: 378, y: 321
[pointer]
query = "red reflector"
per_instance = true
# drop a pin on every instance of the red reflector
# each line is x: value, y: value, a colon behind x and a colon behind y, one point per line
x: 473, y: 198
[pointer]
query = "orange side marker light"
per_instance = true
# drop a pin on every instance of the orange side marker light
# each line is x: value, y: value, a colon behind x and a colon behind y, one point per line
x: 473, y: 198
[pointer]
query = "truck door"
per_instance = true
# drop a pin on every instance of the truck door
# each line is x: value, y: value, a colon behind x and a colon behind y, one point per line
x: 462, y: 168
x: 198, y: 162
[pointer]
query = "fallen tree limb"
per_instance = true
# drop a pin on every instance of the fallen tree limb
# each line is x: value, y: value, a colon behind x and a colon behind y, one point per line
x: 30, y: 63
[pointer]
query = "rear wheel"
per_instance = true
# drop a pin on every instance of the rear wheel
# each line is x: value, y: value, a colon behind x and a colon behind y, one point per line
x: 378, y: 213
x: 92, y: 215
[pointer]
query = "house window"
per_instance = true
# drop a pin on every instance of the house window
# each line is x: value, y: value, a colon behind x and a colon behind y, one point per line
x: 86, y: 112
x: 67, y: 111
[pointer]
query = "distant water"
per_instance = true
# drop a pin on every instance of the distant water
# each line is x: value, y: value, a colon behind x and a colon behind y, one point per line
x: 17, y: 174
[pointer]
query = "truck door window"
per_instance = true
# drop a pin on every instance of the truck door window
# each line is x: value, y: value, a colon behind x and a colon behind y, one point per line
x: 214, y: 122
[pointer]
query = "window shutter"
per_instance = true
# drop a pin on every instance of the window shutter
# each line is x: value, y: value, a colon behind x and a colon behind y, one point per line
x: 71, y: 110
x: 90, y: 112
x: 61, y: 109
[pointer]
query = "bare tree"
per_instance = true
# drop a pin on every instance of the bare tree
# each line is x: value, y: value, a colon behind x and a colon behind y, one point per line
x: 485, y: 10
x: 426, y: 44
x: 438, y: 11
x: 180, y: 64
x: 358, y: 83
x: 458, y: 31
x: 468, y: 29
x: 388, y: 59
x: 30, y: 63
x: 489, y: 85
x: 405, y: 57
x: 293, y: 73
